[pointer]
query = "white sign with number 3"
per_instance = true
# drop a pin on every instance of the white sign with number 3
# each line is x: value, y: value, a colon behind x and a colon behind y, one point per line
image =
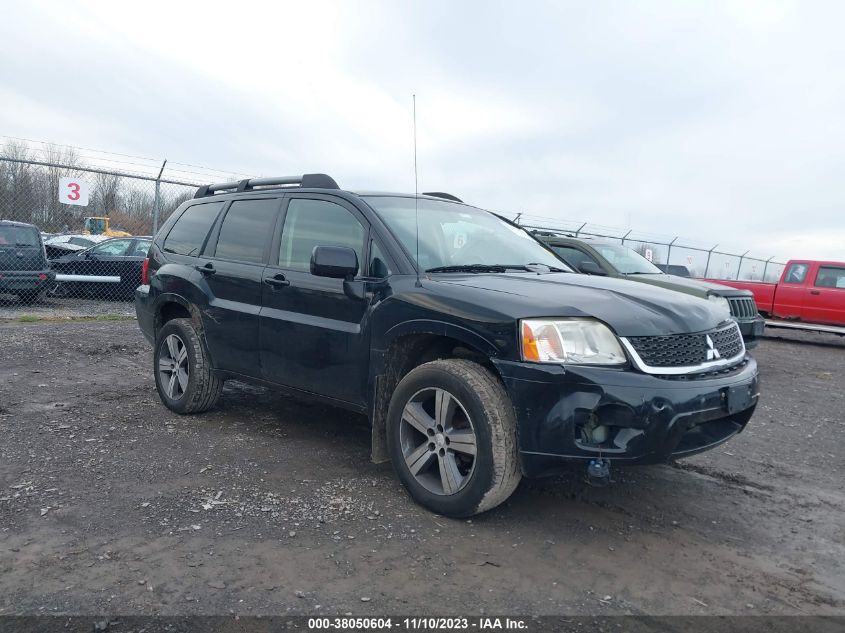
x: 73, y: 191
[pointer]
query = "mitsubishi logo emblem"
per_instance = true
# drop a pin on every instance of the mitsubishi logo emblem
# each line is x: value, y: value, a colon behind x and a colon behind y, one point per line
x: 712, y: 352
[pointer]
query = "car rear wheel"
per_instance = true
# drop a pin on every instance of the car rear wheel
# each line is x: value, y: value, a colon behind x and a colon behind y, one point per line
x: 183, y: 375
x: 452, y: 437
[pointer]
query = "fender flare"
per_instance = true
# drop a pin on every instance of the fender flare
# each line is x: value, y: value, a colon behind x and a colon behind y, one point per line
x: 378, y: 399
x: 439, y: 328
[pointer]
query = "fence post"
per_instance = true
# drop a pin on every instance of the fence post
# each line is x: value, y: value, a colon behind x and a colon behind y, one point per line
x: 739, y: 268
x: 765, y: 266
x: 669, y: 252
x: 707, y: 267
x: 157, y: 204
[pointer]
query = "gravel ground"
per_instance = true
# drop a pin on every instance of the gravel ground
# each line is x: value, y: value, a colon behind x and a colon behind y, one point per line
x: 267, y: 505
x: 71, y: 308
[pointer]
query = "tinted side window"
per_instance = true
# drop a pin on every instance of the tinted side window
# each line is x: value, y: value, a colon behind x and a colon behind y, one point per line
x: 311, y: 223
x: 140, y: 249
x: 245, y: 230
x: 831, y: 277
x: 378, y: 262
x: 189, y: 232
x: 112, y: 248
x: 797, y: 274
x: 573, y: 256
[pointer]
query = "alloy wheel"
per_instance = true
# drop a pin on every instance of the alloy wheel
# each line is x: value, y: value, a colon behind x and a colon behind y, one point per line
x: 173, y: 366
x: 438, y: 441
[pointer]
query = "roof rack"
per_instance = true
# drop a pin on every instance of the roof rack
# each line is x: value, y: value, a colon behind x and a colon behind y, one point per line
x: 445, y: 196
x: 306, y: 181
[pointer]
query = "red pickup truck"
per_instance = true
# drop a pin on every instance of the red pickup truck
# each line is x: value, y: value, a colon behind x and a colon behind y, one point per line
x: 808, y: 291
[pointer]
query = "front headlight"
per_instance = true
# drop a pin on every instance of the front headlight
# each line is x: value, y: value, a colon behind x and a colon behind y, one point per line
x: 721, y: 303
x: 577, y: 341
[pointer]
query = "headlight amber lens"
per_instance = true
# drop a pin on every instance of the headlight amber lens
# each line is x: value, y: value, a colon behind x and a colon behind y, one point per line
x: 576, y: 341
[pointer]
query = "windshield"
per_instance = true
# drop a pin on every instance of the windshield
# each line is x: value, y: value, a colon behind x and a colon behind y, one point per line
x: 626, y: 260
x: 456, y: 235
x: 18, y: 236
x: 95, y: 225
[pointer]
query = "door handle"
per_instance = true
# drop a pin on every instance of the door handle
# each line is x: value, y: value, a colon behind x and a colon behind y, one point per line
x: 277, y: 281
x: 815, y: 292
x: 208, y: 269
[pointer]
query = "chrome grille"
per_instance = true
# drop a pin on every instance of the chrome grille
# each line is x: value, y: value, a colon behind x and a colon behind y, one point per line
x: 743, y: 307
x: 688, y: 350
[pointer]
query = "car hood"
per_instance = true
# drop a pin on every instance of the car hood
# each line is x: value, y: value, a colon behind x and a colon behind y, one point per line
x: 629, y: 308
x: 690, y: 286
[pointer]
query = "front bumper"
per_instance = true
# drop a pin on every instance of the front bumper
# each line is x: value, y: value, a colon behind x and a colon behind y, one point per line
x: 751, y: 329
x: 30, y: 281
x: 647, y: 419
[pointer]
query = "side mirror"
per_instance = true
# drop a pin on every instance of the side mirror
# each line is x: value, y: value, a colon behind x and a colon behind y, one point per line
x: 591, y: 268
x: 337, y: 262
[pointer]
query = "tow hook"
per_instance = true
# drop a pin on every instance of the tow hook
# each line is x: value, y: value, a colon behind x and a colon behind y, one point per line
x: 598, y: 472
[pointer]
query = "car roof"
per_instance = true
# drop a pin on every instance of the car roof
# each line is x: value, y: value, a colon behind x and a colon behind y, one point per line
x: 13, y: 223
x: 572, y: 238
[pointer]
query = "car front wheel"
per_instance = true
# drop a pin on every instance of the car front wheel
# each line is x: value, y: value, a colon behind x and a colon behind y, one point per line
x: 183, y: 374
x: 452, y: 437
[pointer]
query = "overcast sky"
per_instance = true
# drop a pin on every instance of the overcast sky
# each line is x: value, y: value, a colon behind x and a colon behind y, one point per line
x: 720, y: 122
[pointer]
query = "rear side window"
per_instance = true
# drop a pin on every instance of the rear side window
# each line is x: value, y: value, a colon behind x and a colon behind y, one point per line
x: 311, y: 223
x: 188, y: 234
x: 140, y: 249
x: 245, y: 230
x: 831, y: 277
x: 18, y: 236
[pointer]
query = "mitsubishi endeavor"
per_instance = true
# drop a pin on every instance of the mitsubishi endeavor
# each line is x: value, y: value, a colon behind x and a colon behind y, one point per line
x: 476, y: 353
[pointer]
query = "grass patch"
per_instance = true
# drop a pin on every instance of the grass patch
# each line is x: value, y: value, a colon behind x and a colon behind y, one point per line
x: 28, y: 318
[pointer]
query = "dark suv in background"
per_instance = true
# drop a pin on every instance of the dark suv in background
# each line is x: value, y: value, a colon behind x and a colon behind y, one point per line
x: 603, y: 257
x: 24, y: 269
x: 477, y: 355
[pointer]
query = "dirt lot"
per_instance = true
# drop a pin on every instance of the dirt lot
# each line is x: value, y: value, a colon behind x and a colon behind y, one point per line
x: 110, y: 503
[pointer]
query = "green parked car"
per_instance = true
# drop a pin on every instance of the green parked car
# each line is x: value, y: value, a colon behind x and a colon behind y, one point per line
x: 595, y: 256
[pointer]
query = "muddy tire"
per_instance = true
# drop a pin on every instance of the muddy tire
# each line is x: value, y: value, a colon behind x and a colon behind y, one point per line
x: 183, y: 374
x: 451, y: 433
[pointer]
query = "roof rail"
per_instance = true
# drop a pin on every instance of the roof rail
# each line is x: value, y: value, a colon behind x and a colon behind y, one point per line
x: 306, y: 181
x: 441, y: 194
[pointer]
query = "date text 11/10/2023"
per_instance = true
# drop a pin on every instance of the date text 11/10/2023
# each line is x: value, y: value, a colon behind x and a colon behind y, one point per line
x: 418, y: 623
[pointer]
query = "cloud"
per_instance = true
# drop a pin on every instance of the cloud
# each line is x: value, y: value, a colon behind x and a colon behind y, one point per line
x: 720, y: 122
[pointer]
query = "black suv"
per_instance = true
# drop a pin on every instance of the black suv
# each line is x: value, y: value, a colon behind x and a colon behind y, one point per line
x: 24, y: 269
x: 487, y: 361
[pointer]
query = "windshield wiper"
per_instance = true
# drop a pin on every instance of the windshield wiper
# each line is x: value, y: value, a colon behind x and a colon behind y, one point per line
x: 493, y: 268
x: 467, y: 268
x: 551, y: 269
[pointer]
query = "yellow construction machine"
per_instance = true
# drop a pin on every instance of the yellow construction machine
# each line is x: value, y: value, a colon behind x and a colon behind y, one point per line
x: 100, y: 226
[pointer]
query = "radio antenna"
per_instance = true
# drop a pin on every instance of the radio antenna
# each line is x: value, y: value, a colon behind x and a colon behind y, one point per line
x: 416, y: 193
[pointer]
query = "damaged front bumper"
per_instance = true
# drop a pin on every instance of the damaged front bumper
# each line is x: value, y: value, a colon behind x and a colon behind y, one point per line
x: 574, y: 413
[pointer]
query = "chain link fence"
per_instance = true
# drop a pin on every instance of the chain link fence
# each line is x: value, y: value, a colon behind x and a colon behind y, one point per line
x: 95, y: 226
x: 676, y: 256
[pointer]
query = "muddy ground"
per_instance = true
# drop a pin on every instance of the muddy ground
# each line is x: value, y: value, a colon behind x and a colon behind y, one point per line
x: 109, y: 503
